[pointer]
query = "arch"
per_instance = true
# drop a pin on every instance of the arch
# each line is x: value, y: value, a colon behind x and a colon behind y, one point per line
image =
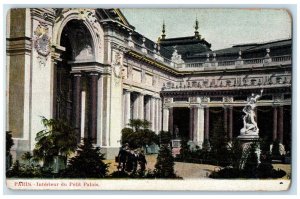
x: 78, y: 39
x: 90, y: 22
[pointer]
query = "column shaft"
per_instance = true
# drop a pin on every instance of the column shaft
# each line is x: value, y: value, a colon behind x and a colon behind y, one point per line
x: 76, y: 104
x: 206, y: 132
x: 152, y: 113
x: 280, y: 125
x: 191, y: 122
x: 171, y: 120
x: 196, y: 126
x: 230, y: 124
x: 225, y: 121
x: 93, y: 94
x: 165, y: 118
x: 127, y: 108
x: 274, y: 123
x: 141, y: 106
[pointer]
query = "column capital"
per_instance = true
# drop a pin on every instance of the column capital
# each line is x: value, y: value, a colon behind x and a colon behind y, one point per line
x: 76, y: 74
x: 225, y: 106
x: 127, y: 91
x: 93, y: 74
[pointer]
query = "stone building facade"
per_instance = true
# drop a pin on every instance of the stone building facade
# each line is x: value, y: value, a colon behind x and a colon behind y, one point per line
x: 91, y: 67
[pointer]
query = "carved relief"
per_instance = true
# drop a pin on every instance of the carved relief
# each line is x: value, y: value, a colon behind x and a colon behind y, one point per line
x: 278, y: 98
x: 227, y: 99
x: 42, y: 43
x: 193, y: 99
x: 204, y: 99
x: 117, y: 65
x: 168, y: 100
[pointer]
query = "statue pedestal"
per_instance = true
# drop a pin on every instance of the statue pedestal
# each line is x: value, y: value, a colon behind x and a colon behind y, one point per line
x: 246, y: 141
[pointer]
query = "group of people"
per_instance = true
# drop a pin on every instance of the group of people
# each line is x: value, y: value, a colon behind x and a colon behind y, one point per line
x: 129, y: 159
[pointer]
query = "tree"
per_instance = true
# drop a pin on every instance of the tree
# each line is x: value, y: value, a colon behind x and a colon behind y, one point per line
x: 165, y: 137
x: 9, y: 144
x: 219, y: 143
x: 139, y: 134
x: 251, y: 162
x: 57, y: 139
x: 165, y: 163
x: 236, y: 152
x: 88, y: 163
x: 185, y: 152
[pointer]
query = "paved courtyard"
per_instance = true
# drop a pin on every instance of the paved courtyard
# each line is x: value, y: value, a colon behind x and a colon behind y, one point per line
x: 191, y: 170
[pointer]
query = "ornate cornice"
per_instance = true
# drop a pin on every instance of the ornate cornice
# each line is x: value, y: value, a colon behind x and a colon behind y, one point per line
x: 147, y: 60
x: 19, y: 45
x: 224, y: 92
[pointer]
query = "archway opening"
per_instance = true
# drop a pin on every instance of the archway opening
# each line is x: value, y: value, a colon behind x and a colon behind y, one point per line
x: 78, y: 43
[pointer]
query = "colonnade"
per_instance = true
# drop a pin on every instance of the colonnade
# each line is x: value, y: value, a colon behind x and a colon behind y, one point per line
x: 199, y: 117
x: 141, y: 106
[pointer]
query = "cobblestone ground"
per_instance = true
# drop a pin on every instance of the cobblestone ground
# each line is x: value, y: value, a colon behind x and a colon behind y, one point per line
x: 190, y: 170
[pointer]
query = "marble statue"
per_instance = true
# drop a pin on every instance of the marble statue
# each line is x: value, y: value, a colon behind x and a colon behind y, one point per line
x: 250, y: 125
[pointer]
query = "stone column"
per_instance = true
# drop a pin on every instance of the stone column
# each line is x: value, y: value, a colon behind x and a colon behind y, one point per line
x: 195, y: 124
x: 165, y: 121
x: 141, y: 106
x: 127, y: 108
x: 76, y: 104
x: 157, y: 115
x: 136, y: 106
x: 148, y: 108
x: 191, y: 123
x: 280, y: 124
x: 152, y: 113
x: 160, y: 115
x: 225, y: 120
x: 200, y: 126
x: 274, y: 123
x: 206, y: 124
x: 230, y: 123
x: 93, y: 94
x: 171, y: 127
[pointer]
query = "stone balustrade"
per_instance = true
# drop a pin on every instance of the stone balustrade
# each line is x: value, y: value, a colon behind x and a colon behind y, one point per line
x: 208, y: 64
x: 258, y: 62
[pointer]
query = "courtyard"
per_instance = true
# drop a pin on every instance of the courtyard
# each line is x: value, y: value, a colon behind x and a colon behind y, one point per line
x: 192, y: 170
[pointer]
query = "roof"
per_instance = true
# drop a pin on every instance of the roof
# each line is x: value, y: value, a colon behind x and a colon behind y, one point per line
x: 186, y: 46
x: 246, y: 48
x: 114, y: 14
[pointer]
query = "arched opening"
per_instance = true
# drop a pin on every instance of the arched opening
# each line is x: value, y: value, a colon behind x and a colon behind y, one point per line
x: 72, y: 93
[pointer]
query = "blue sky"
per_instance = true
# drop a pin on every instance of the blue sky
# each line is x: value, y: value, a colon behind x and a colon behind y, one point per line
x: 220, y: 27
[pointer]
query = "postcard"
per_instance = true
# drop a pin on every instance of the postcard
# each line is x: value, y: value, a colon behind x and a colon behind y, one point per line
x: 148, y: 99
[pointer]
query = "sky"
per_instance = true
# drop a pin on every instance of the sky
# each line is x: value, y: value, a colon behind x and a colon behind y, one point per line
x: 220, y: 27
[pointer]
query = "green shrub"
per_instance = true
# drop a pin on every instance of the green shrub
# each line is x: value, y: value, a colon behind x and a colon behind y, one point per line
x: 88, y: 163
x: 138, y: 135
x: 165, y: 163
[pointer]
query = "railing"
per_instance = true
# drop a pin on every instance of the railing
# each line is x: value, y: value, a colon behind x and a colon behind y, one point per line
x: 253, y: 61
x: 281, y: 58
x: 194, y: 65
x: 225, y: 63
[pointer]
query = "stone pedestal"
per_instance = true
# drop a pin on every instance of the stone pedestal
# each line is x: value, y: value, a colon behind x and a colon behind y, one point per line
x: 246, y: 141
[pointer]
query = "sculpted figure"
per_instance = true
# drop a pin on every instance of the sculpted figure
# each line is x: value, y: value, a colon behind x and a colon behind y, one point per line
x: 250, y: 125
